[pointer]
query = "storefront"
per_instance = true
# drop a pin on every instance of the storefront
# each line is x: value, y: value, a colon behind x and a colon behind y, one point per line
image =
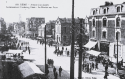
x: 91, y: 48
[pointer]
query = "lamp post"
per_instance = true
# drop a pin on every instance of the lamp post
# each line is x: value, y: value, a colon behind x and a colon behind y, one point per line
x: 45, y: 47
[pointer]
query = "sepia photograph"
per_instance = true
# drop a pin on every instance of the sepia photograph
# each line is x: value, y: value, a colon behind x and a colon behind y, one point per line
x: 62, y: 39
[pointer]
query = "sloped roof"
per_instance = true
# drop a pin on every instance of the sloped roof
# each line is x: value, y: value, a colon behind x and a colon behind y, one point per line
x: 28, y: 69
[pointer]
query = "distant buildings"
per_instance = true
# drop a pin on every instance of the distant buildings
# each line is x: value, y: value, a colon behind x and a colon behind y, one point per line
x: 63, y: 30
x: 106, y: 23
x: 33, y: 24
x: 50, y: 29
x: 2, y: 26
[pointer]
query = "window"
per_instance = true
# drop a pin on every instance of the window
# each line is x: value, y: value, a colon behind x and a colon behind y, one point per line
x: 117, y: 22
x: 64, y: 38
x: 59, y: 38
x: 93, y: 22
x: 118, y: 35
x: 118, y: 9
x: 104, y: 34
x: 94, y: 12
x: 93, y: 32
x: 104, y: 11
x: 64, y: 29
x: 104, y: 22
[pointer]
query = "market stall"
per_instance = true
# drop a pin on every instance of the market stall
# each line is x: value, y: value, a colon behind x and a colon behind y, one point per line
x: 30, y: 71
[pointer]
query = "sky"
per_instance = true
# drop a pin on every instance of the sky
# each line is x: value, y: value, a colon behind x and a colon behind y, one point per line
x: 50, y: 9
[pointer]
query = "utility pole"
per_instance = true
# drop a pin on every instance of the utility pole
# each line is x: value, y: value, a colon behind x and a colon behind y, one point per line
x: 45, y: 47
x: 80, y: 51
x: 72, y: 45
x: 117, y: 52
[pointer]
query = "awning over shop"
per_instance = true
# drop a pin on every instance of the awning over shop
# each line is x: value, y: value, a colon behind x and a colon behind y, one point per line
x: 27, y: 69
x: 95, y: 53
x: 90, y: 44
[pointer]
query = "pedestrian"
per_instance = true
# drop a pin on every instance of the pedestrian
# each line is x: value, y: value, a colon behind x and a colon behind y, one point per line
x: 96, y: 65
x: 83, y: 66
x: 29, y: 50
x: 47, y: 72
x: 62, y: 48
x: 60, y: 70
x: 67, y: 53
x: 106, y: 74
x: 26, y: 48
x: 54, y: 70
x: 92, y: 65
x: 56, y: 75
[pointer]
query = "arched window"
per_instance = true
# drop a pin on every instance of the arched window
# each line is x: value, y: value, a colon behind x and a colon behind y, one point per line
x: 104, y: 34
x: 104, y: 22
x: 117, y: 22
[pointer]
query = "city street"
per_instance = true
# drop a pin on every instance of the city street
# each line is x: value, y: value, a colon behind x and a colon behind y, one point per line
x: 37, y: 53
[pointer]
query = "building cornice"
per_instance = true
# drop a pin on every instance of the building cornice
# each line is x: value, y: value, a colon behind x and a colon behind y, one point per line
x: 120, y: 13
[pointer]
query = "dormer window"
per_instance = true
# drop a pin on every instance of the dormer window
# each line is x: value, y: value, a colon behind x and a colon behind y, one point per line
x: 94, y: 12
x: 104, y: 11
x: 118, y: 9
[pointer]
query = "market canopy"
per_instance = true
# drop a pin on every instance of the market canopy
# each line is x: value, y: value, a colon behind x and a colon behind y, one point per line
x: 90, y: 44
x: 93, y: 52
x: 28, y: 68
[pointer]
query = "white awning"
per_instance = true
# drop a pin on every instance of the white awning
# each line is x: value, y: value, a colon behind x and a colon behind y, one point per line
x: 15, y: 51
x: 96, y: 53
x: 90, y: 44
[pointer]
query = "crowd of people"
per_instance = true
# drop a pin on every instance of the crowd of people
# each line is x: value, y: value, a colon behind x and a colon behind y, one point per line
x: 61, y: 52
x: 55, y: 72
x: 88, y: 67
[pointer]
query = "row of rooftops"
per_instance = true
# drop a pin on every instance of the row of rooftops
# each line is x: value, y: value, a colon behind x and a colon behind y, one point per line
x: 66, y: 20
x: 110, y: 8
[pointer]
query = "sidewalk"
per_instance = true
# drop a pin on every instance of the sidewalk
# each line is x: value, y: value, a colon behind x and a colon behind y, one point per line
x: 64, y: 74
x: 101, y: 68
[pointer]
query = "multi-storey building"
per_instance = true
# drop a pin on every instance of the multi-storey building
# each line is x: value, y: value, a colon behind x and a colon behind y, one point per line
x: 106, y: 23
x: 63, y: 30
x: 33, y: 24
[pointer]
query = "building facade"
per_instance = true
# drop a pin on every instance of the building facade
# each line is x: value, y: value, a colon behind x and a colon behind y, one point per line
x: 63, y: 30
x: 33, y: 24
x: 105, y: 24
x: 50, y: 26
x: 2, y: 26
